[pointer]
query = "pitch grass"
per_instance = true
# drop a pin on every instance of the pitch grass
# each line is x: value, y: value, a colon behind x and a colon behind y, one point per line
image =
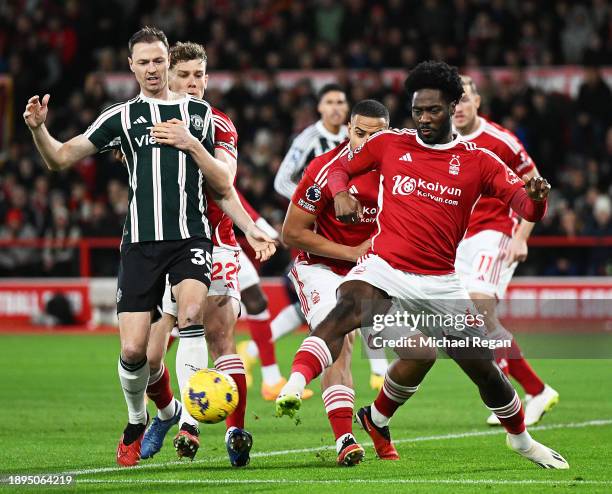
x: 62, y: 410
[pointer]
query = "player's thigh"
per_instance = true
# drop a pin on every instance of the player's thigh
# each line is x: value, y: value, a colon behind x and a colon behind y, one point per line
x: 134, y: 330
x: 224, y: 276
x: 316, y: 287
x: 141, y: 278
x: 158, y: 340
x: 189, y: 274
x: 219, y: 320
x: 481, y: 263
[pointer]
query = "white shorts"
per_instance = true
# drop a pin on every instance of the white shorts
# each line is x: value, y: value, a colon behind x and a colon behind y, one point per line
x: 224, y: 279
x: 481, y: 263
x: 440, y: 299
x: 247, y: 276
x: 316, y: 286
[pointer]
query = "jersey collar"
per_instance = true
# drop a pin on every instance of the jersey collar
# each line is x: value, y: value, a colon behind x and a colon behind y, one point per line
x: 147, y: 99
x: 479, y: 130
x: 449, y: 145
x: 340, y: 136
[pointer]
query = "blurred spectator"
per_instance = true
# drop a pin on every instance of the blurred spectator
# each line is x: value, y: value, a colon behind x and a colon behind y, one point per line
x: 19, y: 260
x: 60, y: 254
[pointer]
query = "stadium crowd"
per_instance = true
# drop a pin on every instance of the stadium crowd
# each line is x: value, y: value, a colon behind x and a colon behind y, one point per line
x: 65, y: 49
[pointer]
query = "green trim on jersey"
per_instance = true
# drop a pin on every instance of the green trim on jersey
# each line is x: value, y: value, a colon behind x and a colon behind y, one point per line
x: 167, y: 199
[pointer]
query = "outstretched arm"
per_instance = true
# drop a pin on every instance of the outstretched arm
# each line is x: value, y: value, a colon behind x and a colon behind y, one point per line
x: 57, y: 155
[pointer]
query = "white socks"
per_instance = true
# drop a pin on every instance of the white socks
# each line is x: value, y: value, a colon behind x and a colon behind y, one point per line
x: 378, y: 418
x: 287, y: 320
x: 191, y: 356
x: 271, y: 374
x: 522, y: 441
x: 134, y: 379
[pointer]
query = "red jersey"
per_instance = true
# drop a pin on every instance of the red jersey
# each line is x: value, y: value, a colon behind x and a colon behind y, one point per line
x: 226, y: 138
x: 313, y: 196
x: 491, y: 213
x: 427, y: 195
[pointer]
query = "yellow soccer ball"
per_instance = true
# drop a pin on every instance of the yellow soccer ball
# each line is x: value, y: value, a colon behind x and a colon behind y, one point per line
x: 210, y: 396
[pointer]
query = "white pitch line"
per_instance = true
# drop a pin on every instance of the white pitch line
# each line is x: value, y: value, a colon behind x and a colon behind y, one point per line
x: 347, y: 481
x: 265, y: 454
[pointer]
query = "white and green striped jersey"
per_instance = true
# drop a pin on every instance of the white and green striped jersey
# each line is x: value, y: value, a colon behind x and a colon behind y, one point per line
x: 167, y: 196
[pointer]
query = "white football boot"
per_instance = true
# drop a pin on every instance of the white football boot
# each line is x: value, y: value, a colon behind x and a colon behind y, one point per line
x: 541, y: 455
x: 536, y: 406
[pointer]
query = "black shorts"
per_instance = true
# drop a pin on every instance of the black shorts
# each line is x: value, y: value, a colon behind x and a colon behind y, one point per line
x: 144, y: 265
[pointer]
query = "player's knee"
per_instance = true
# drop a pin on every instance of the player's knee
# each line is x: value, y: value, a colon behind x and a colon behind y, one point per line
x: 348, y: 310
x: 190, y: 314
x: 132, y: 353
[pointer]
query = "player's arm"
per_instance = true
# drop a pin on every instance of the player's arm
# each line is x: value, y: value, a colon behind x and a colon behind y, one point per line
x: 263, y: 245
x: 518, y: 250
x: 294, y: 160
x: 298, y: 233
x: 366, y: 157
x: 57, y: 155
x: 219, y: 173
x: 527, y: 199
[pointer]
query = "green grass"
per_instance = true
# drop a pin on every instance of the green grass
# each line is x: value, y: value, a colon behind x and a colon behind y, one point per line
x: 61, y: 410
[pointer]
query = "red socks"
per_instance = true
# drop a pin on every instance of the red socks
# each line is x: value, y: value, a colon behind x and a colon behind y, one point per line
x: 232, y: 366
x: 392, y: 396
x: 311, y: 358
x: 159, y: 390
x: 521, y: 371
x: 261, y: 333
x: 511, y: 416
x: 339, y: 401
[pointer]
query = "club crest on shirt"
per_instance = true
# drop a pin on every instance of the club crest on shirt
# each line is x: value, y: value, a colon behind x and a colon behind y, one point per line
x: 197, y: 122
x: 454, y: 165
x: 313, y: 193
x: 315, y: 297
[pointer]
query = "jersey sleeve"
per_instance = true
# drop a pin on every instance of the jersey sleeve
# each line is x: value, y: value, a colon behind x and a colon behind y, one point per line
x: 293, y: 163
x: 310, y: 196
x: 106, y: 129
x: 363, y: 158
x: 515, y: 156
x: 499, y: 180
x: 225, y: 135
x: 208, y: 132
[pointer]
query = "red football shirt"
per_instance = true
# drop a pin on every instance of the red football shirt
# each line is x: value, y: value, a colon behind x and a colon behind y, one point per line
x: 428, y: 193
x: 226, y: 138
x: 313, y: 196
x: 491, y: 213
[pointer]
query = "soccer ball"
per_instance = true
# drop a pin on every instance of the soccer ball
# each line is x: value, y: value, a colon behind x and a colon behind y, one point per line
x: 210, y: 396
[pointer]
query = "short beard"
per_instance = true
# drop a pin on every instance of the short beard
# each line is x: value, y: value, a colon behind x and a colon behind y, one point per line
x: 439, y: 135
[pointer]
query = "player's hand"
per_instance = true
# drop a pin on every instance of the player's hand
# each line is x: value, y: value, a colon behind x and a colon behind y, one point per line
x: 361, y: 249
x: 119, y: 156
x: 537, y: 188
x: 348, y: 208
x: 262, y: 244
x: 173, y: 133
x: 517, y: 252
x: 36, y: 111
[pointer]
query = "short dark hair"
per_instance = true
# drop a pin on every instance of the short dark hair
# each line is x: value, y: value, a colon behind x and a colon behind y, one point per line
x: 435, y: 75
x: 328, y: 88
x: 370, y: 108
x: 183, y: 52
x: 148, y: 34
